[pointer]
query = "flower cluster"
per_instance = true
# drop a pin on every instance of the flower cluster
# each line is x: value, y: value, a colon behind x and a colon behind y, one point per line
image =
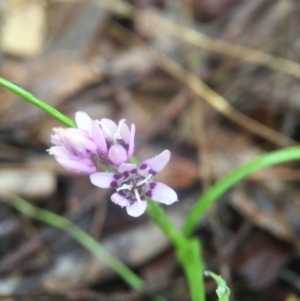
x: 100, y: 145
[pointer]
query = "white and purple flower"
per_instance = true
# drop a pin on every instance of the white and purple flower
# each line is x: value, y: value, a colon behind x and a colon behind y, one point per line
x: 97, y: 145
x: 133, y: 184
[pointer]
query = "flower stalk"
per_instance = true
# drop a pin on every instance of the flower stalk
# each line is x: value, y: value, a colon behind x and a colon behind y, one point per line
x: 190, y: 256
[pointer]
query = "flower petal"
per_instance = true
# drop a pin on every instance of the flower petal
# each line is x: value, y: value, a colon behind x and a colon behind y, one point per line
x: 155, y: 164
x: 105, y: 179
x: 84, y: 121
x: 127, y: 168
x: 137, y: 209
x: 117, y: 154
x: 125, y: 133
x: 99, y: 138
x: 119, y: 199
x: 162, y: 193
x: 76, y: 166
x: 108, y: 126
x: 79, y: 142
x: 131, y: 142
x: 71, y: 163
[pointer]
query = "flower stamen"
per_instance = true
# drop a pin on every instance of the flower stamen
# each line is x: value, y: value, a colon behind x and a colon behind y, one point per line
x: 125, y: 187
x: 148, y: 180
x: 138, y: 197
x: 105, y: 128
x: 113, y: 137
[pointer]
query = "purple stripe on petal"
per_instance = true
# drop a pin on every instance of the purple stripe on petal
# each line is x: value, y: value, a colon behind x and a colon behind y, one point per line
x: 152, y: 172
x: 122, y: 193
x: 114, y: 184
x: 117, y: 176
x: 152, y: 185
x: 143, y: 166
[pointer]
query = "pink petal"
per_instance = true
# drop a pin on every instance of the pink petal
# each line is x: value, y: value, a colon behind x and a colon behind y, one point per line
x: 125, y: 133
x: 131, y: 142
x: 117, y: 154
x: 84, y: 121
x: 108, y: 125
x: 71, y: 163
x: 99, y: 138
x: 156, y: 164
x: 80, y: 141
x: 76, y: 166
x: 137, y: 209
x: 76, y: 141
x: 105, y: 179
x: 162, y: 193
x: 119, y: 200
x: 60, y: 151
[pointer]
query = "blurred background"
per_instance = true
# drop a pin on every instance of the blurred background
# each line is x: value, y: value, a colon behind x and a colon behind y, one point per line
x: 135, y: 60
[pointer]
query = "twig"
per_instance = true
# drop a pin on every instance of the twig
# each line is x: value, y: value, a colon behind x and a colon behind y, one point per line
x: 218, y: 102
x: 154, y: 21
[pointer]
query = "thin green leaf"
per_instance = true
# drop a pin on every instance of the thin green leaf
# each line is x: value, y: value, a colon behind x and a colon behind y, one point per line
x: 81, y: 237
x: 223, y: 185
x: 37, y: 102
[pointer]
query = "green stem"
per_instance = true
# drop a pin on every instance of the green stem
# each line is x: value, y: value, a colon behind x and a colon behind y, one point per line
x: 81, y: 237
x: 220, y: 187
x: 188, y: 251
x: 190, y: 257
x: 37, y: 102
x: 158, y: 215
